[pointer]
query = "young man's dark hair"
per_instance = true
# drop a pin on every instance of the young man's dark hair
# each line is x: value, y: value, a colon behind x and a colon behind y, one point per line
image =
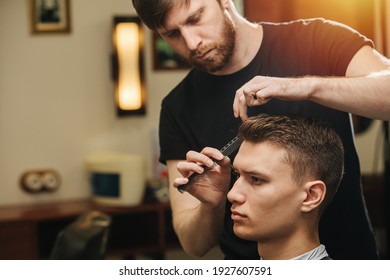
x: 314, y: 150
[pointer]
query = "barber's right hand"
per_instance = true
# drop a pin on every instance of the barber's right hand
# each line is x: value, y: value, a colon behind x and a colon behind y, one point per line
x: 211, y: 185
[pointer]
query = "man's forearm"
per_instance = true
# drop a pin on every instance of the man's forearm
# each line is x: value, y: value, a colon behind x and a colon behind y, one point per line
x: 367, y: 96
x: 199, y: 228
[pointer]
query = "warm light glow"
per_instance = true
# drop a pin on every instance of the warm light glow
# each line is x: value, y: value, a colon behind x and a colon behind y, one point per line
x: 126, y: 39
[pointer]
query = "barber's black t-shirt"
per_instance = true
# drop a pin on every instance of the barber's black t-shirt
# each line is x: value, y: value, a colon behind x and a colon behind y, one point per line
x: 198, y: 112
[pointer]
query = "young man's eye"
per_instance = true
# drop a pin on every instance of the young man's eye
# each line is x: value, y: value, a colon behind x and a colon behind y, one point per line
x: 256, y: 180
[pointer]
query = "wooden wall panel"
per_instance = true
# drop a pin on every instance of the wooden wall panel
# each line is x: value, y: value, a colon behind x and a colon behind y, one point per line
x: 358, y: 14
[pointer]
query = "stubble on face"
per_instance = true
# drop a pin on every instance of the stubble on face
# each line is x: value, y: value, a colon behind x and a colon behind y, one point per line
x: 223, y: 50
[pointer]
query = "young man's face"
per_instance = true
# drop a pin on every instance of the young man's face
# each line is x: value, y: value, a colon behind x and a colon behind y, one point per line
x: 202, y: 33
x: 266, y: 200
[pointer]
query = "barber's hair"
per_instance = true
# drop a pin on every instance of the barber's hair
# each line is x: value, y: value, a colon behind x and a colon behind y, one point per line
x: 153, y: 12
x: 313, y: 148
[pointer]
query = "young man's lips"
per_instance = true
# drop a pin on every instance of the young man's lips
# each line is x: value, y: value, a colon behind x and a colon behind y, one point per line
x: 237, y: 215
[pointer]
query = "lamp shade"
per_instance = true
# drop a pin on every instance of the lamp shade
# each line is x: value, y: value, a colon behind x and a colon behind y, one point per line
x: 128, y: 70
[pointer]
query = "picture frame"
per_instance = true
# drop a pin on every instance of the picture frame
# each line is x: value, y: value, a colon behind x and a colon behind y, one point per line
x: 164, y: 57
x: 50, y: 16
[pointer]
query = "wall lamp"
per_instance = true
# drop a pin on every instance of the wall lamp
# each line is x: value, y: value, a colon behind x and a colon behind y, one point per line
x: 128, y: 66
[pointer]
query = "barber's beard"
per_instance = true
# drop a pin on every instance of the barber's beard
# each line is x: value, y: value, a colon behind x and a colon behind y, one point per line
x: 222, y: 51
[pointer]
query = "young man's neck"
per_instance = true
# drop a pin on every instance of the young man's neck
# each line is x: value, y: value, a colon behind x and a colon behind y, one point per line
x: 287, y: 248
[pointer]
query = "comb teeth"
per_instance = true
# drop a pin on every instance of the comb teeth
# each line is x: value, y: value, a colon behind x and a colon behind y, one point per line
x: 231, y: 146
x: 226, y: 151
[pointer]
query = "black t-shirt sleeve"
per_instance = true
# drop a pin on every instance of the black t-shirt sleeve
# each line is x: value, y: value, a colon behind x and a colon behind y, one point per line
x: 338, y: 43
x: 309, y: 47
x: 172, y: 140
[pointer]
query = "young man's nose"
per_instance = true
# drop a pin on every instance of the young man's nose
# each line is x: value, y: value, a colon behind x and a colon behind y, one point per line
x: 234, y: 195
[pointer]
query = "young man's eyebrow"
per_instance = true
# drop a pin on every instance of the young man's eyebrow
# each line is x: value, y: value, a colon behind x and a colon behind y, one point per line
x: 251, y: 172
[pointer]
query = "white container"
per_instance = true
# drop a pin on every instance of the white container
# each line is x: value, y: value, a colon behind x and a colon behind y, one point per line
x: 117, y: 179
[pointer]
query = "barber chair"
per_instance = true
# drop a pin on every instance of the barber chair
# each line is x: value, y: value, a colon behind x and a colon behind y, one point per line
x: 84, y: 239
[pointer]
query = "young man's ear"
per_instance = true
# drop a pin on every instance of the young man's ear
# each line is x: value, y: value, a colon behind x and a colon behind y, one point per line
x: 315, y: 193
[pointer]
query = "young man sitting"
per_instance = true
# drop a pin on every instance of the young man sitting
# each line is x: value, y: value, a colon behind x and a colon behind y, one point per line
x: 288, y: 170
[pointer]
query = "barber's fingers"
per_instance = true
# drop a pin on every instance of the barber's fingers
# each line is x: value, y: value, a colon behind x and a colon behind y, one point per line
x: 212, y: 153
x: 196, y: 162
x: 180, y: 181
x: 253, y: 93
x: 187, y: 168
x: 201, y: 158
x: 219, y: 165
x: 239, y: 105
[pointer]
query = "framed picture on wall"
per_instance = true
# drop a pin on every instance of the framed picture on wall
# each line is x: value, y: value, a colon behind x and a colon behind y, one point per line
x: 164, y: 57
x: 50, y: 16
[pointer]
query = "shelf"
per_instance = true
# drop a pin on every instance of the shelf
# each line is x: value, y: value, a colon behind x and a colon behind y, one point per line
x: 29, y: 232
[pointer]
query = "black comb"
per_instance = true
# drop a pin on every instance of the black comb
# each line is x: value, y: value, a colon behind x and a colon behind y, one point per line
x: 226, y: 150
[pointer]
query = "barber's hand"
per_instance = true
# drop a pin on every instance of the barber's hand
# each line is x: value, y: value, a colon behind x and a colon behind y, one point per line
x: 261, y: 89
x: 211, y: 185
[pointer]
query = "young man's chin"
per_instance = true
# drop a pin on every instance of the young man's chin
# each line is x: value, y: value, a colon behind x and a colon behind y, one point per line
x: 243, y: 235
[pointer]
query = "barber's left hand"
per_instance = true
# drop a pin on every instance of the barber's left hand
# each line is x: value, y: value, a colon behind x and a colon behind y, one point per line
x: 212, y: 183
x: 261, y: 89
